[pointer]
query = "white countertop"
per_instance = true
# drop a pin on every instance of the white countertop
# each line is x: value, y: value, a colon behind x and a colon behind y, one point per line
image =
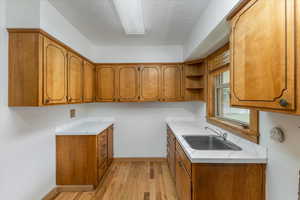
x: 251, y: 152
x: 86, y: 126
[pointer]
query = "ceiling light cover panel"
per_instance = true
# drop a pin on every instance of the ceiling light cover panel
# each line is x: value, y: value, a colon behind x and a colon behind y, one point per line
x: 131, y: 16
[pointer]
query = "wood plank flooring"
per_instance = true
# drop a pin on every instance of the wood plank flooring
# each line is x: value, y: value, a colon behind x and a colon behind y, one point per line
x: 131, y: 180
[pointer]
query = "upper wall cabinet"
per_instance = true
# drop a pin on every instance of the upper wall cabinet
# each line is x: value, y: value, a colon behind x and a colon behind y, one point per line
x: 150, y: 83
x: 263, y: 66
x: 128, y: 83
x: 42, y: 70
x: 171, y: 82
x: 105, y: 83
x: 75, y: 68
x: 88, y: 82
x: 55, y: 73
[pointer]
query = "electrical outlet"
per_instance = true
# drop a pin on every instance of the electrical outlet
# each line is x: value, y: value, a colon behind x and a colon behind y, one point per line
x: 72, y: 113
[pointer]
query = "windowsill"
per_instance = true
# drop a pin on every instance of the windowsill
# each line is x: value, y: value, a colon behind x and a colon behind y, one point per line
x: 239, y: 130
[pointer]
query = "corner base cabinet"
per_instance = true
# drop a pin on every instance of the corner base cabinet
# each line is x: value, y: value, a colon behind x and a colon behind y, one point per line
x: 83, y: 159
x: 216, y: 181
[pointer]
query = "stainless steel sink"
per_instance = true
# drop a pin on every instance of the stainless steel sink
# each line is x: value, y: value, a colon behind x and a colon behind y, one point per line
x: 210, y: 142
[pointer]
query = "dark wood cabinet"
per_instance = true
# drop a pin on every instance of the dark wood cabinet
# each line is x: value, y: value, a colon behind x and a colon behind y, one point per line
x: 87, y: 156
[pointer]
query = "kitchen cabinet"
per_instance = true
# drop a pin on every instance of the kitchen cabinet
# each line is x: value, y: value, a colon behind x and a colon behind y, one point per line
x: 55, y: 73
x: 105, y: 83
x: 171, y: 82
x: 171, y: 145
x: 110, y: 147
x: 42, y: 70
x: 75, y: 72
x: 183, y: 179
x: 88, y: 82
x: 84, y: 155
x: 150, y: 83
x: 263, y: 55
x: 128, y: 77
x: 216, y: 181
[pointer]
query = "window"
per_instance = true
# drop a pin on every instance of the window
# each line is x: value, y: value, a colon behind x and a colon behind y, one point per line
x: 222, y: 102
x: 243, y: 122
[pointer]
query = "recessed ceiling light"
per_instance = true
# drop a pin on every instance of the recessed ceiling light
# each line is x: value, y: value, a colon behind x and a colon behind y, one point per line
x: 131, y: 16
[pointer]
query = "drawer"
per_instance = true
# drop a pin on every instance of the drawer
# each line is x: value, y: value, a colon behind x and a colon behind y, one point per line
x: 101, y: 171
x: 185, y: 160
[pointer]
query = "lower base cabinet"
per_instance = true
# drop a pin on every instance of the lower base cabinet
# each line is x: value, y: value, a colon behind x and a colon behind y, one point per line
x: 195, y: 181
x: 83, y: 159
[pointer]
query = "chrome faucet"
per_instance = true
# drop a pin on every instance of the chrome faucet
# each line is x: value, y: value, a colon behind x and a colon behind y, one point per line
x: 219, y: 133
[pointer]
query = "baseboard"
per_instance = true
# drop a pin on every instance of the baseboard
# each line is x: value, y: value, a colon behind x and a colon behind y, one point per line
x: 130, y: 159
x: 75, y: 188
x: 51, y: 195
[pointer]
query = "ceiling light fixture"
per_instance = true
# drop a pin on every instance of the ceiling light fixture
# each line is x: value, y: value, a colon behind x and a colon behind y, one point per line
x: 131, y: 16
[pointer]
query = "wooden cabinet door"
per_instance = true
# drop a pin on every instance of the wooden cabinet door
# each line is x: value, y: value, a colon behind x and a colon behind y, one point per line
x: 183, y: 180
x: 75, y: 68
x: 88, y: 82
x: 105, y: 83
x: 128, y: 83
x: 110, y: 147
x: 54, y: 73
x: 150, y: 83
x: 171, y: 82
x: 263, y: 55
x: 101, y: 154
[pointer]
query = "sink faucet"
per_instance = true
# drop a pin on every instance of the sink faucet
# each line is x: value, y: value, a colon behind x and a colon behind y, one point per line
x: 219, y: 133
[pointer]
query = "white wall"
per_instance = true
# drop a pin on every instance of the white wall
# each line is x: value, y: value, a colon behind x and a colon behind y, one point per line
x: 121, y: 54
x: 140, y: 127
x: 210, y: 22
x: 27, y: 145
x: 23, y: 14
x: 56, y: 25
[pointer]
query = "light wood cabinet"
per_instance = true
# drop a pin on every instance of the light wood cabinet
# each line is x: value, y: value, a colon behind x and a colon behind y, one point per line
x: 110, y: 147
x: 105, y: 83
x: 171, y: 82
x: 171, y: 150
x: 55, y: 73
x: 42, y: 70
x: 88, y: 82
x: 215, y: 181
x: 183, y: 180
x: 75, y: 72
x: 263, y: 55
x: 128, y: 77
x: 86, y: 156
x: 150, y: 83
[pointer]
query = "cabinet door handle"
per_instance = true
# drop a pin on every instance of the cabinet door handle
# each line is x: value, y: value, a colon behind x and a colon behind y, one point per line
x: 283, y: 102
x: 47, y: 101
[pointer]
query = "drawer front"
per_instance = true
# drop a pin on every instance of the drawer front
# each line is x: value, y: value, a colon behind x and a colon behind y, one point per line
x: 102, y: 148
x: 185, y: 160
x: 101, y: 171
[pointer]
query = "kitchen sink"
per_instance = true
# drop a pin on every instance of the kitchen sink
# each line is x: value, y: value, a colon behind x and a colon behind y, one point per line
x: 210, y: 142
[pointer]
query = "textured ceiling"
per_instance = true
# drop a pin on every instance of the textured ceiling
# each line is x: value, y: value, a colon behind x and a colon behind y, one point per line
x: 168, y: 22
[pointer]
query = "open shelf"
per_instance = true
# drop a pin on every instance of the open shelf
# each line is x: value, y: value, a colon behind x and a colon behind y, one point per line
x: 194, y: 76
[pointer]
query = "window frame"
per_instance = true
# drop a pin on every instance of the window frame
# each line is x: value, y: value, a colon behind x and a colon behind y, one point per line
x: 249, y: 132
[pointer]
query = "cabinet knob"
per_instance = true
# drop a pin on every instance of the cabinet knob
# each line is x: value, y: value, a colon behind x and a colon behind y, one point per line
x: 283, y: 102
x: 47, y: 101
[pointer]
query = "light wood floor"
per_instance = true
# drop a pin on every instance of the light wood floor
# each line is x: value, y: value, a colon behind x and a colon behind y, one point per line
x: 131, y: 180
